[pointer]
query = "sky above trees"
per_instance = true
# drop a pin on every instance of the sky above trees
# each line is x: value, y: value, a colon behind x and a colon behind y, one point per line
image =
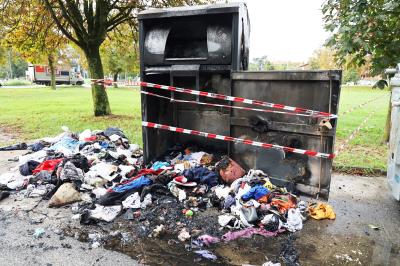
x: 285, y: 30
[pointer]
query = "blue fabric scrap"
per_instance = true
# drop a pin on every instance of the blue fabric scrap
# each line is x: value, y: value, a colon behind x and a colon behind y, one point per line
x: 134, y: 184
x: 159, y: 165
x: 256, y: 193
x: 67, y: 143
x: 201, y: 175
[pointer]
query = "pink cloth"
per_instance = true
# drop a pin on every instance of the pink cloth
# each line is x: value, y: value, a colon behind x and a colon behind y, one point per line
x: 248, y: 232
x: 207, y: 239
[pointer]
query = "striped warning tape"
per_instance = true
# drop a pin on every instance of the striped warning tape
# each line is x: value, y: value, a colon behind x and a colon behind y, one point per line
x: 239, y: 99
x: 106, y: 82
x: 109, y: 82
x: 297, y: 110
x: 353, y: 134
x: 222, y: 105
x: 238, y: 140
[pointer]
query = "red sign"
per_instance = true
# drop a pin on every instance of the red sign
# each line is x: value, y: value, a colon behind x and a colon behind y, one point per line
x: 40, y: 69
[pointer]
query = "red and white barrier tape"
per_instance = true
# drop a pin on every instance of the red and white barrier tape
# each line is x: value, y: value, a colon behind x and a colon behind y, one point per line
x: 353, y: 134
x: 222, y: 105
x: 239, y: 99
x: 237, y: 140
x: 109, y: 82
x: 106, y: 82
x: 297, y: 110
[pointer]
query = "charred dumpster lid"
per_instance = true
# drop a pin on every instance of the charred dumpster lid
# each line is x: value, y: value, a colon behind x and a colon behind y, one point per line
x: 315, y: 75
x: 191, y: 10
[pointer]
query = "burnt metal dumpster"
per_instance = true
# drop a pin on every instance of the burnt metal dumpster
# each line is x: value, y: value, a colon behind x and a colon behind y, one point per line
x: 317, y: 90
x: 192, y: 47
x: 205, y: 48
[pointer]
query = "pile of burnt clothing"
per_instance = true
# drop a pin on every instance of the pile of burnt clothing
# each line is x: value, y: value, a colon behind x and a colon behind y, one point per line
x: 254, y: 201
x: 102, y: 175
x: 74, y: 167
x: 245, y: 200
x: 247, y: 203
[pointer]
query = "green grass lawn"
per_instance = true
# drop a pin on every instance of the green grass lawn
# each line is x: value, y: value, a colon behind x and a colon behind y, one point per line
x: 366, y: 150
x: 35, y: 113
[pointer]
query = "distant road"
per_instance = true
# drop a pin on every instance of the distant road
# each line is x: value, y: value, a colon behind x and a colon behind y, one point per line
x: 38, y: 86
x: 22, y: 87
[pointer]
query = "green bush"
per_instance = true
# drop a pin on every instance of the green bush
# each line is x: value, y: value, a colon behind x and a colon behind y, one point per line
x: 350, y: 75
x: 16, y: 82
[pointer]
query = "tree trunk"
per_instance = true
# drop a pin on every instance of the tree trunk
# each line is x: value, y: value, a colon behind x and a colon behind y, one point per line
x: 10, y: 63
x: 388, y: 125
x: 50, y: 58
x: 115, y: 80
x: 101, y: 105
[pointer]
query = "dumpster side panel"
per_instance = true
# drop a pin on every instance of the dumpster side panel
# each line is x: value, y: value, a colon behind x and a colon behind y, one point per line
x: 318, y: 90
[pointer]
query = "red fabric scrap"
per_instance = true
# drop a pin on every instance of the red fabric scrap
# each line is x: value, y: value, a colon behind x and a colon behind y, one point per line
x: 48, y: 165
x: 90, y: 139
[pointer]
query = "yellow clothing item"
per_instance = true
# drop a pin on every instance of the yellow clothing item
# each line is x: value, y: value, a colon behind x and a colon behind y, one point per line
x: 321, y: 211
x: 269, y: 185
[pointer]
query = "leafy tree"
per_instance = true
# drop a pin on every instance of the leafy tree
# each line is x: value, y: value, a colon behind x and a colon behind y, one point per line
x: 87, y: 22
x: 350, y: 75
x: 366, y: 30
x: 70, y: 56
x: 3, y: 62
x: 120, y: 54
x: 286, y: 65
x: 18, y: 65
x: 323, y: 58
x: 261, y: 63
x: 3, y: 55
x: 34, y: 34
x: 11, y: 63
x: 78, y: 55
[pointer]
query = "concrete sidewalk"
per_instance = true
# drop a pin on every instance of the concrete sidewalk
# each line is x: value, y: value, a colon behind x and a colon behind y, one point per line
x: 358, y: 201
x: 19, y: 217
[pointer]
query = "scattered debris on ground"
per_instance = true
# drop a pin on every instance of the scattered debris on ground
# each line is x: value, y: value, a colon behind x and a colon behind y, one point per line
x: 186, y: 196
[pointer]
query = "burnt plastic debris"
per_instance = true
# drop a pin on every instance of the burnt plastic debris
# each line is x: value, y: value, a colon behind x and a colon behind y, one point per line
x: 27, y: 168
x: 86, y: 219
x: 114, y: 131
x: 37, y: 146
x: 79, y: 161
x: 155, y: 189
x: 19, y: 146
x: 258, y: 124
x: 272, y: 224
x: 288, y: 253
x: 4, y: 194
